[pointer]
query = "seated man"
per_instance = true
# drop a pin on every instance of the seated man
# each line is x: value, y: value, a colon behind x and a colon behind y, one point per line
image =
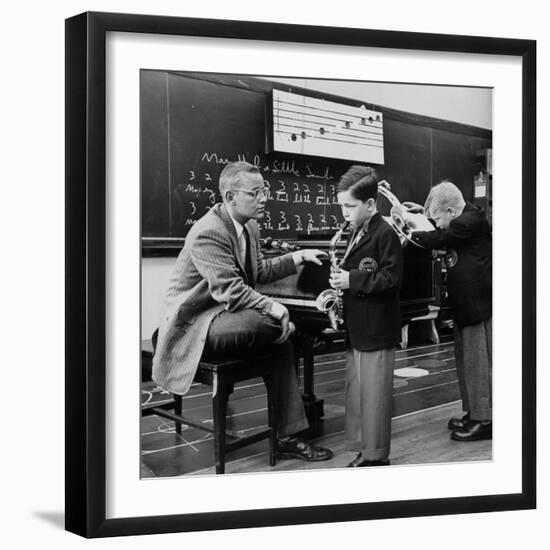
x: 211, y: 307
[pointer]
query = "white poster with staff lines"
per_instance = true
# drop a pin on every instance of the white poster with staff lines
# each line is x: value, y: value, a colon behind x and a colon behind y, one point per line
x: 321, y: 128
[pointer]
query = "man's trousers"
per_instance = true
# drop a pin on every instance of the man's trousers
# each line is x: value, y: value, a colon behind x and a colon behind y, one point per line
x: 248, y: 330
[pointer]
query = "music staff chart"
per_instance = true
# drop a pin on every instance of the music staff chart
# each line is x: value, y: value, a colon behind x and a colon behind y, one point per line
x: 316, y: 127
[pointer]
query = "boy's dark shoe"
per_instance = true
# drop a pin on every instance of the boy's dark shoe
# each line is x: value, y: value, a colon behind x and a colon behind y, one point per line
x: 360, y: 462
x: 474, y: 431
x: 459, y: 423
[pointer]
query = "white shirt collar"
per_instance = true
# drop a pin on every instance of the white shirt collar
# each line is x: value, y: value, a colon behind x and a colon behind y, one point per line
x: 239, y: 228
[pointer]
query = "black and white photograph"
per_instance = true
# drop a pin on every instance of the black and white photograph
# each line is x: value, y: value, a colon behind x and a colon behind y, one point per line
x: 282, y: 307
x: 274, y: 275
x: 283, y: 263
x: 316, y: 273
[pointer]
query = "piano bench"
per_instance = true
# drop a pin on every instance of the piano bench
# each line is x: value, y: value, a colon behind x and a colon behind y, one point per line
x: 431, y: 316
x: 222, y: 375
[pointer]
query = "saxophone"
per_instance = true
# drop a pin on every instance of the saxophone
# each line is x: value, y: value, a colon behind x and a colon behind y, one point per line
x: 330, y: 300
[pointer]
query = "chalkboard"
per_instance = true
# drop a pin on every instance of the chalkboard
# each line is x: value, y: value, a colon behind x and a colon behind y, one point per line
x: 202, y: 127
x: 193, y: 125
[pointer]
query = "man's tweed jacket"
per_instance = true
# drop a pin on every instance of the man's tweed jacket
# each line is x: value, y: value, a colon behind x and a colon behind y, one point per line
x: 207, y: 278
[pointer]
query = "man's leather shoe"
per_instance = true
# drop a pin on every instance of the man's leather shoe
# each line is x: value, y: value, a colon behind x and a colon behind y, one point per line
x: 295, y: 447
x: 474, y: 431
x: 360, y: 462
x: 459, y: 423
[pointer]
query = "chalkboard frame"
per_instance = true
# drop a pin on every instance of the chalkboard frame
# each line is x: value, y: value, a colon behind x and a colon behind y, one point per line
x: 86, y: 262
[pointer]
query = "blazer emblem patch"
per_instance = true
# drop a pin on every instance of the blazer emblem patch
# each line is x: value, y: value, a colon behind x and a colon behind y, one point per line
x: 368, y: 264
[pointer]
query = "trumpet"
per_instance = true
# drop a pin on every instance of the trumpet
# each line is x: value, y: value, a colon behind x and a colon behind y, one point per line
x: 330, y: 301
x: 401, y: 221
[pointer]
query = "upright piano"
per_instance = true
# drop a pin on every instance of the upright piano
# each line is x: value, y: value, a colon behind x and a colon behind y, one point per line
x: 299, y: 292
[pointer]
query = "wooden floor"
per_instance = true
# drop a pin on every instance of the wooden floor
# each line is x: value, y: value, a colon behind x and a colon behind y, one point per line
x: 425, y: 397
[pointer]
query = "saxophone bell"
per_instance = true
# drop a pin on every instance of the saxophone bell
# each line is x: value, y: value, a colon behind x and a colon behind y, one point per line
x: 327, y: 302
x: 330, y: 301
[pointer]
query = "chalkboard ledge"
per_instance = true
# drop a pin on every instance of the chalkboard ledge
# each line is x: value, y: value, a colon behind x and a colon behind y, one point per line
x: 160, y: 247
x: 154, y: 247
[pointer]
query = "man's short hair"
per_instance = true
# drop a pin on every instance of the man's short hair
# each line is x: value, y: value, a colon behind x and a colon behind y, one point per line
x: 361, y: 181
x: 230, y: 177
x: 444, y: 195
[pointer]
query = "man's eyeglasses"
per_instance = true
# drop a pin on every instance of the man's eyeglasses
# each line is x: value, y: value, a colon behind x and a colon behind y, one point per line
x: 262, y: 192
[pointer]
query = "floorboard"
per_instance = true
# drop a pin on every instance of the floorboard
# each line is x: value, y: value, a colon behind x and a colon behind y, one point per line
x: 422, y: 407
x: 418, y: 438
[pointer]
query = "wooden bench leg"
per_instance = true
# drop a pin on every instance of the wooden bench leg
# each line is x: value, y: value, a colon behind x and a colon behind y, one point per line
x: 219, y: 409
x: 404, y: 336
x: 271, y: 384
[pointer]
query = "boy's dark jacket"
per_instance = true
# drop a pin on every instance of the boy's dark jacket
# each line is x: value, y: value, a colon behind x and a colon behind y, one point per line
x: 371, y: 304
x: 469, y: 261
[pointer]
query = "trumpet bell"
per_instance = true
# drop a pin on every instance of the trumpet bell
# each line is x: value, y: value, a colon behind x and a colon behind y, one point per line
x: 397, y: 214
x: 403, y: 222
x: 419, y: 222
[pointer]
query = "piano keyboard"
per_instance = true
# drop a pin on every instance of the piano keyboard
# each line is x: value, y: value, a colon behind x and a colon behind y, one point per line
x: 297, y: 302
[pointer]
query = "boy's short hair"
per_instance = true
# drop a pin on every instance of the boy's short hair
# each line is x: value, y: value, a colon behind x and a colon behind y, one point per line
x: 361, y: 181
x: 231, y: 175
x: 444, y: 195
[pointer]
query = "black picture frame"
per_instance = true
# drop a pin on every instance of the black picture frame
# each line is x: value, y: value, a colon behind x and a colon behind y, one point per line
x: 86, y: 262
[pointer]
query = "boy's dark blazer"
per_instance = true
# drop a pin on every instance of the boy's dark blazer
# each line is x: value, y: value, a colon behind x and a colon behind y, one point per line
x: 371, y: 304
x: 469, y: 261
